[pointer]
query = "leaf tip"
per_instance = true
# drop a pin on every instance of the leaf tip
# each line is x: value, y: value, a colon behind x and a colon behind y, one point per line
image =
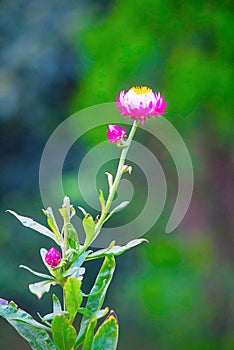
x: 113, y: 314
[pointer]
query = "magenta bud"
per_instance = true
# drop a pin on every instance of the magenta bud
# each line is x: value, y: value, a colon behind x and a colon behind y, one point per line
x: 115, y: 133
x: 53, y: 257
x: 3, y: 301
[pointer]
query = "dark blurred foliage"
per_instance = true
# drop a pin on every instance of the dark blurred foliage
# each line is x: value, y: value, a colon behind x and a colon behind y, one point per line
x: 57, y: 58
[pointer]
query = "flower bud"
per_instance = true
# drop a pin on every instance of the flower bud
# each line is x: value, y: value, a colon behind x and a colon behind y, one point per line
x: 53, y: 257
x: 127, y: 169
x: 115, y: 133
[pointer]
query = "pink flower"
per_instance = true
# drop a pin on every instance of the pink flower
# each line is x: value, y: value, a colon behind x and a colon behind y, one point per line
x: 115, y: 133
x: 141, y: 103
x: 53, y: 257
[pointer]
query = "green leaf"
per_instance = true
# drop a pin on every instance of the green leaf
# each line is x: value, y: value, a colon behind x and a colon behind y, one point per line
x: 106, y: 336
x: 11, y: 312
x: 64, y: 334
x: 64, y: 213
x: 52, y: 315
x: 102, y: 200
x: 84, y: 311
x: 89, y: 335
x: 97, y: 291
x: 52, y: 222
x: 75, y: 266
x: 88, y: 341
x: 89, y: 228
x: 95, y: 300
x: 83, y: 210
x: 42, y: 275
x: 72, y: 211
x: 40, y: 288
x: 116, y: 250
x: 110, y: 180
x: 72, y: 236
x: 118, y: 208
x: 101, y: 313
x: 57, y: 307
x: 34, y: 226
x: 73, y: 297
x: 75, y: 272
x: 34, y: 332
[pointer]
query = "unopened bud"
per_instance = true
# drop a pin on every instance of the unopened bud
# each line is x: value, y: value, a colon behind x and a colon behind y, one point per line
x: 53, y: 257
x: 127, y: 169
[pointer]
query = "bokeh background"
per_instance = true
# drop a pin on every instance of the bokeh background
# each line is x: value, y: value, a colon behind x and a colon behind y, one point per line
x: 58, y: 57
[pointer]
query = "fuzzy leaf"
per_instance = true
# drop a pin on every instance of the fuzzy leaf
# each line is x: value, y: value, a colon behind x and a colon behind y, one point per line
x: 116, y: 250
x: 27, y: 222
x: 64, y: 334
x: 106, y: 336
x: 40, y: 288
x: 34, y: 332
x: 38, y: 274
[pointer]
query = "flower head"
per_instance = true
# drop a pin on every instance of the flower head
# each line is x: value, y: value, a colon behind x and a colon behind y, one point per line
x: 53, y: 257
x: 115, y: 133
x: 141, y: 103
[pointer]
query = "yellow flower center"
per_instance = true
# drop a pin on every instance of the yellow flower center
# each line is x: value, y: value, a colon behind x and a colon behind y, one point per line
x: 141, y: 90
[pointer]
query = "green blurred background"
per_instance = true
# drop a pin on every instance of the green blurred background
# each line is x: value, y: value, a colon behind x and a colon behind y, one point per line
x: 59, y: 57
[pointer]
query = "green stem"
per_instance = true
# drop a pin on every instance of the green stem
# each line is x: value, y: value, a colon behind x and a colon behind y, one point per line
x: 117, y: 179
